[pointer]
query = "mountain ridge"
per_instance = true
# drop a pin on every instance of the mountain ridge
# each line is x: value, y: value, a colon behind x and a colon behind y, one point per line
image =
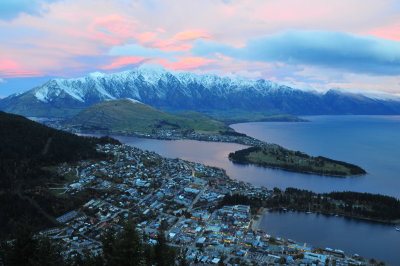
x: 166, y: 90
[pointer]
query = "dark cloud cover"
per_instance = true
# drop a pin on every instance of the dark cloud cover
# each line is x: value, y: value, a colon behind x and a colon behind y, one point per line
x: 353, y: 53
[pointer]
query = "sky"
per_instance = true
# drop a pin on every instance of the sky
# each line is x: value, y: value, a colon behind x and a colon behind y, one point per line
x: 304, y: 43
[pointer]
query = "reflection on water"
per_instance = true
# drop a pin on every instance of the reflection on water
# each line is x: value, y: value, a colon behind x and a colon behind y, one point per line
x: 371, y: 142
x: 368, y: 239
x: 377, y: 151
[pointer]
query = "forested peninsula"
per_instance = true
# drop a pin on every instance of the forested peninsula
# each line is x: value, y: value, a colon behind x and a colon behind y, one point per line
x: 296, y: 161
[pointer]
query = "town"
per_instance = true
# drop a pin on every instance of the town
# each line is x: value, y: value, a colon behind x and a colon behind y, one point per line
x: 182, y: 200
x: 167, y: 134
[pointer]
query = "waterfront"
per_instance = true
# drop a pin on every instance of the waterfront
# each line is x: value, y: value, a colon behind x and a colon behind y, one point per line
x: 369, y: 141
x: 367, y: 239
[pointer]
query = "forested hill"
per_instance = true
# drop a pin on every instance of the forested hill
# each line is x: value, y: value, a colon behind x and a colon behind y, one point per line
x: 26, y: 147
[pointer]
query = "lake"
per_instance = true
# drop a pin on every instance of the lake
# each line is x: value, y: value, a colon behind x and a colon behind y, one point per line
x: 371, y: 142
x: 368, y: 239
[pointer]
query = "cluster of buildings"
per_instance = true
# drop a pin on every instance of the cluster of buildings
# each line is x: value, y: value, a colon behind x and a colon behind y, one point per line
x: 174, y: 134
x: 179, y: 198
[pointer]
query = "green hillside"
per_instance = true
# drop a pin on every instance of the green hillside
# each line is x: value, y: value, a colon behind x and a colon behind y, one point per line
x: 129, y: 115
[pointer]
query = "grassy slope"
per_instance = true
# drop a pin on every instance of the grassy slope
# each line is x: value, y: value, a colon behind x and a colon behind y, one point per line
x: 123, y: 114
x: 240, y: 116
x: 261, y: 118
x: 279, y: 157
x: 27, y: 105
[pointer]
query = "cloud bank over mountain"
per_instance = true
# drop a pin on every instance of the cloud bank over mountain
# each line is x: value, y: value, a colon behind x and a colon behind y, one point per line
x: 347, y: 44
x: 357, y: 54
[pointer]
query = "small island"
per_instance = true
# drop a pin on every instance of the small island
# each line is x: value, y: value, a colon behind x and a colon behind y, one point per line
x: 274, y: 156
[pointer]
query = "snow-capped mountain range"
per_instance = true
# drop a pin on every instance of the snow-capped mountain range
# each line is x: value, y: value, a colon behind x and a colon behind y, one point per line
x: 188, y: 91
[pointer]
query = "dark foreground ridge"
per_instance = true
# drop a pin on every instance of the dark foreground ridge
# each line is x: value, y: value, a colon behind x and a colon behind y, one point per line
x: 296, y: 161
x: 26, y: 149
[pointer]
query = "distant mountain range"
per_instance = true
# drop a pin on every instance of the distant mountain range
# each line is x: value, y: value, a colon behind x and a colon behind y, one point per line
x: 188, y: 91
x: 130, y: 115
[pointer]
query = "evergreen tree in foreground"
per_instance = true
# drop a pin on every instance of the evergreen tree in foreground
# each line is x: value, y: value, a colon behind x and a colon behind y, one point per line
x: 125, y: 247
x: 27, y: 250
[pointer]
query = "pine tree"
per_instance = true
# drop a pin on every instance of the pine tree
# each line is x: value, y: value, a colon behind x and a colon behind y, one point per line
x: 30, y: 251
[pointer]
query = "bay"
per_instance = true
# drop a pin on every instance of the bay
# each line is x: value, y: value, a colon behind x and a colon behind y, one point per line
x: 371, y: 142
x: 367, y: 239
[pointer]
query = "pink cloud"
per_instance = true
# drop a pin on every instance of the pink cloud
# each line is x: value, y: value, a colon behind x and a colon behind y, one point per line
x: 147, y: 36
x: 161, y: 30
x: 190, y: 35
x: 223, y: 57
x: 10, y: 69
x: 76, y: 36
x: 124, y: 61
x: 182, y: 41
x: 187, y: 63
x: 113, y: 29
x: 391, y: 32
x: 170, y: 47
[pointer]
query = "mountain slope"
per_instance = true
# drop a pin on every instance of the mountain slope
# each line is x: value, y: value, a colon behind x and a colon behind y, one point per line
x: 187, y: 91
x: 131, y: 115
x: 26, y: 148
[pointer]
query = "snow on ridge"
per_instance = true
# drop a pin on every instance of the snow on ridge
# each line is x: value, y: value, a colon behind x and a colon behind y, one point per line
x: 97, y: 74
x: 69, y: 89
x: 151, y: 74
x: 118, y: 82
x: 42, y: 93
x: 376, y: 95
x: 133, y: 100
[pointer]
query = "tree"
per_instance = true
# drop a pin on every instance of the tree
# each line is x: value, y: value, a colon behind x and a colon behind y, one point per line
x: 28, y: 250
x: 87, y: 259
x: 123, y: 248
x: 164, y: 254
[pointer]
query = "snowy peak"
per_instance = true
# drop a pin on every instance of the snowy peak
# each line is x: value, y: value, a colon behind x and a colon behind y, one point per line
x: 375, y: 95
x: 177, y: 90
x: 97, y: 74
x: 158, y: 80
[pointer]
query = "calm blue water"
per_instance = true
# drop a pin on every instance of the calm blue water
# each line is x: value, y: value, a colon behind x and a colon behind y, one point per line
x: 368, y: 239
x: 371, y: 142
x: 368, y: 141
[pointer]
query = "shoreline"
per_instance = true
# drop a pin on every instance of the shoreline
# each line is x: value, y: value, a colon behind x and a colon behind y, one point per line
x: 242, y: 140
x: 272, y: 158
x: 301, y: 172
x: 256, y: 221
x: 359, y: 218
